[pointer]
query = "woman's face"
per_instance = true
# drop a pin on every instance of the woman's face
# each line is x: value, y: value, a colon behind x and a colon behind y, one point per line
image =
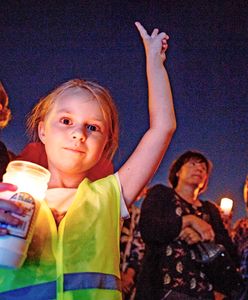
x: 193, y: 172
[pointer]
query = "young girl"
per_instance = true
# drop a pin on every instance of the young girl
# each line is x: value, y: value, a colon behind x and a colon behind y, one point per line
x: 77, y: 123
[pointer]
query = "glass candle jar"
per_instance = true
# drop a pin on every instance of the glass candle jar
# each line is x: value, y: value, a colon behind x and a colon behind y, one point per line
x: 31, y: 180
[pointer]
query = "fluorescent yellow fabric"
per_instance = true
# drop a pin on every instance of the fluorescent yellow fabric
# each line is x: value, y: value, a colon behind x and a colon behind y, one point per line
x: 82, y: 253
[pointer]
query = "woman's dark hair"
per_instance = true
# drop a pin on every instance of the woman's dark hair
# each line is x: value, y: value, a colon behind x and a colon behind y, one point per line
x: 184, y: 158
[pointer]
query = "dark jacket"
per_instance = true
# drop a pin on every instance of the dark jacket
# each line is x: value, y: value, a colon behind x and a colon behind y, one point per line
x: 160, y: 225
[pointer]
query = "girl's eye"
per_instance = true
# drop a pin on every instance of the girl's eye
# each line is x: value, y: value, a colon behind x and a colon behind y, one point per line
x: 91, y: 127
x: 66, y: 121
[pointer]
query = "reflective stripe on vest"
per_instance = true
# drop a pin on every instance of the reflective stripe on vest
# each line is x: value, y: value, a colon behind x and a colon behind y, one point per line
x: 37, y: 292
x: 78, y: 281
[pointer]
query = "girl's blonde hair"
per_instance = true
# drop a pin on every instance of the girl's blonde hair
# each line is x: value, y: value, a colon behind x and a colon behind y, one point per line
x: 99, y: 93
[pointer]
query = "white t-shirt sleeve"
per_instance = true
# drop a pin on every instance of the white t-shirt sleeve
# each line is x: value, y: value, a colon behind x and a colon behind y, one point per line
x: 123, y: 206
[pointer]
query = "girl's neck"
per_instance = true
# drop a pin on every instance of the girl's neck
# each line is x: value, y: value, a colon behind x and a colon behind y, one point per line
x: 62, y: 180
x: 189, y: 194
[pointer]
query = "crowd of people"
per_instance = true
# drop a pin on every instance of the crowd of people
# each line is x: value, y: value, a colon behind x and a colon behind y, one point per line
x: 169, y: 267
x: 106, y: 235
x: 173, y: 221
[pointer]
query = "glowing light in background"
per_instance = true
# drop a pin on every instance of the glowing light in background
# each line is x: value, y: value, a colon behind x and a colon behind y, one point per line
x: 226, y: 205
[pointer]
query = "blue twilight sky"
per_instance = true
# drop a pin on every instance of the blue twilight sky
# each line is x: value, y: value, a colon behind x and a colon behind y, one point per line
x: 44, y: 43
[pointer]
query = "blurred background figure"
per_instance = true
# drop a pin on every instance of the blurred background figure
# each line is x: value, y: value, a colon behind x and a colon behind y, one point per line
x: 226, y: 211
x: 172, y: 222
x: 5, y: 116
x: 240, y: 238
x: 132, y: 249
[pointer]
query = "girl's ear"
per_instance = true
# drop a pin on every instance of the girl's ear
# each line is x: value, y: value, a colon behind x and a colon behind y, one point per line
x: 41, y: 131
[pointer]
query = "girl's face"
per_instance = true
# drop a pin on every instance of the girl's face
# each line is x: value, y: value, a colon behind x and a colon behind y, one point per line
x: 193, y: 172
x: 74, y: 133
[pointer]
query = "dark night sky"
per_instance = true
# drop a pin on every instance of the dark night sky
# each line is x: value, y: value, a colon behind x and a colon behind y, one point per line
x: 44, y: 43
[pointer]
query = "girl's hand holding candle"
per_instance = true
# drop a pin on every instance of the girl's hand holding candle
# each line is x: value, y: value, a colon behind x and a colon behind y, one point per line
x: 25, y: 186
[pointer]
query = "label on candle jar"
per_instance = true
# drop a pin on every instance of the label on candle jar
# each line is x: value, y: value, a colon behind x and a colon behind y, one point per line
x: 28, y: 203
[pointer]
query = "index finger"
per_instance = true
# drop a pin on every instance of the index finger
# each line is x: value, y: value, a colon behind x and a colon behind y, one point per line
x: 7, y: 187
x: 141, y: 30
x: 11, y: 206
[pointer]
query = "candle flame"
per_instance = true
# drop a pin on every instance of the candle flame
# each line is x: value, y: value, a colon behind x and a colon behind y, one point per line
x: 226, y: 205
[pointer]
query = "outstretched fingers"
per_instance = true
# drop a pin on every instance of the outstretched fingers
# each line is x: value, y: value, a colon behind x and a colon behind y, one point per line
x: 154, y: 32
x: 156, y: 43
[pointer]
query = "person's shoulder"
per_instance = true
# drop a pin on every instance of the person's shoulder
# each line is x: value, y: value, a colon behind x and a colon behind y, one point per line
x: 108, y: 184
x: 106, y: 180
x: 211, y: 203
x: 159, y: 197
x: 160, y: 189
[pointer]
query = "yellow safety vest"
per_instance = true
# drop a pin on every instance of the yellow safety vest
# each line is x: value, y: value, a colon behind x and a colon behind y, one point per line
x: 80, y: 259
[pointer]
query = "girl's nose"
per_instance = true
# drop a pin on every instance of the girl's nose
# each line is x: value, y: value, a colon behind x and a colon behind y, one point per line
x: 79, y: 134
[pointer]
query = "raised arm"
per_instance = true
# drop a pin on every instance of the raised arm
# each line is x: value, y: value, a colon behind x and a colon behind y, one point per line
x: 144, y: 161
